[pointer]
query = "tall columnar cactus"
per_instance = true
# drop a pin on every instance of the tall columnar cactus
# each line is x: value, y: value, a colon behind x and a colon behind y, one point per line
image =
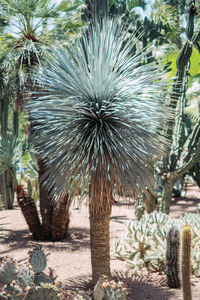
x: 185, y: 151
x: 172, y: 258
x: 185, y: 261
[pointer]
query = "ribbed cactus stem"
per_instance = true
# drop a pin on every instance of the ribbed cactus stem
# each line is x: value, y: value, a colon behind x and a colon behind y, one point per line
x: 172, y: 258
x: 186, y: 254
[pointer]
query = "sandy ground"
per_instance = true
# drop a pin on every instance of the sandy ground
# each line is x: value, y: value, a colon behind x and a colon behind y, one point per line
x: 71, y: 257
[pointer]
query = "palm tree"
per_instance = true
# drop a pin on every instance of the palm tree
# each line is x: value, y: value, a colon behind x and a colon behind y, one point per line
x: 98, y: 123
x: 30, y: 24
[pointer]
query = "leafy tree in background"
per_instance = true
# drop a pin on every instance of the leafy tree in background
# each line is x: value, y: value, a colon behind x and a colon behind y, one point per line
x: 30, y: 19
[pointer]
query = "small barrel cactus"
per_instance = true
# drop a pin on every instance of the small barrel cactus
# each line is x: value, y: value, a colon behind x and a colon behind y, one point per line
x: 38, y: 259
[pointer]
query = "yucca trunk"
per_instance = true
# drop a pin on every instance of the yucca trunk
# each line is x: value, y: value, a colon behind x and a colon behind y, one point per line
x: 55, y: 217
x: 46, y: 205
x: 29, y: 212
x: 100, y: 211
x: 60, y: 220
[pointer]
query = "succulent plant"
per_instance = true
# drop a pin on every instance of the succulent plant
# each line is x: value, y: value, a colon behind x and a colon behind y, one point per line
x: 40, y: 278
x: 16, y: 279
x: 172, y: 258
x: 82, y: 296
x: 99, y: 290
x: 115, y: 291
x: 109, y: 290
x: 12, y: 292
x: 139, y: 207
x: 8, y: 271
x: 186, y: 262
x: 45, y: 292
x: 38, y: 259
x: 25, y: 277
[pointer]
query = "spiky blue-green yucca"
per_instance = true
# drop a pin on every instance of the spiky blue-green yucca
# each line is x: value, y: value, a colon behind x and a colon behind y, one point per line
x: 101, y: 112
x: 97, y: 124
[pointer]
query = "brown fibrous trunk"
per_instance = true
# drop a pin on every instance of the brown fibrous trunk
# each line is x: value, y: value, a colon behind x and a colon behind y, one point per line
x: 29, y: 212
x: 100, y: 210
x: 60, y: 220
x: 46, y: 203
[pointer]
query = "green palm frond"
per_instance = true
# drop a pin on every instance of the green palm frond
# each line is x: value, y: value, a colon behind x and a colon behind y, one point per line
x: 101, y: 114
x: 167, y: 18
x: 26, y: 15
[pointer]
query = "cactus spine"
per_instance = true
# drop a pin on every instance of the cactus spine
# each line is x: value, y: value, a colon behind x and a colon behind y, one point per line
x: 185, y: 263
x: 172, y: 258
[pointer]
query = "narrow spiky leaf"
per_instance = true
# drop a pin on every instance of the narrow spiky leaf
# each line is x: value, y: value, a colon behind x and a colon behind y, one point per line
x: 101, y: 113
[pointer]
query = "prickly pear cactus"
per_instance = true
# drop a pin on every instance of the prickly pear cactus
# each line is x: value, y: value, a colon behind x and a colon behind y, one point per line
x: 109, y: 290
x: 99, y: 290
x: 25, y: 277
x: 12, y: 292
x: 82, y: 296
x: 8, y: 271
x: 38, y: 259
x: 45, y: 292
x: 115, y: 291
x: 40, y: 278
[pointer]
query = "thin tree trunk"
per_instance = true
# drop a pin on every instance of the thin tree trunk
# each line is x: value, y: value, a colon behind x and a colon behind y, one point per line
x: 46, y: 205
x: 60, y: 221
x: 30, y: 213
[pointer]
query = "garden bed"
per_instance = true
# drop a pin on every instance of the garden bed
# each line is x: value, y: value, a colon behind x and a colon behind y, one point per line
x: 71, y: 257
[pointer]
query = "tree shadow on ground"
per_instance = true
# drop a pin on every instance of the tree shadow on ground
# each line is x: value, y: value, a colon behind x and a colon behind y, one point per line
x: 145, y: 286
x: 21, y: 239
x: 140, y: 286
x: 182, y: 205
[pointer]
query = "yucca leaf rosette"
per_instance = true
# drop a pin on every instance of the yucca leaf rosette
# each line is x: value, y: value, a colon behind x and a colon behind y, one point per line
x: 100, y: 114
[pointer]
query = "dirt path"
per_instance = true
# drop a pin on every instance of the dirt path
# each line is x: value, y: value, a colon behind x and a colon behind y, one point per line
x: 71, y: 257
